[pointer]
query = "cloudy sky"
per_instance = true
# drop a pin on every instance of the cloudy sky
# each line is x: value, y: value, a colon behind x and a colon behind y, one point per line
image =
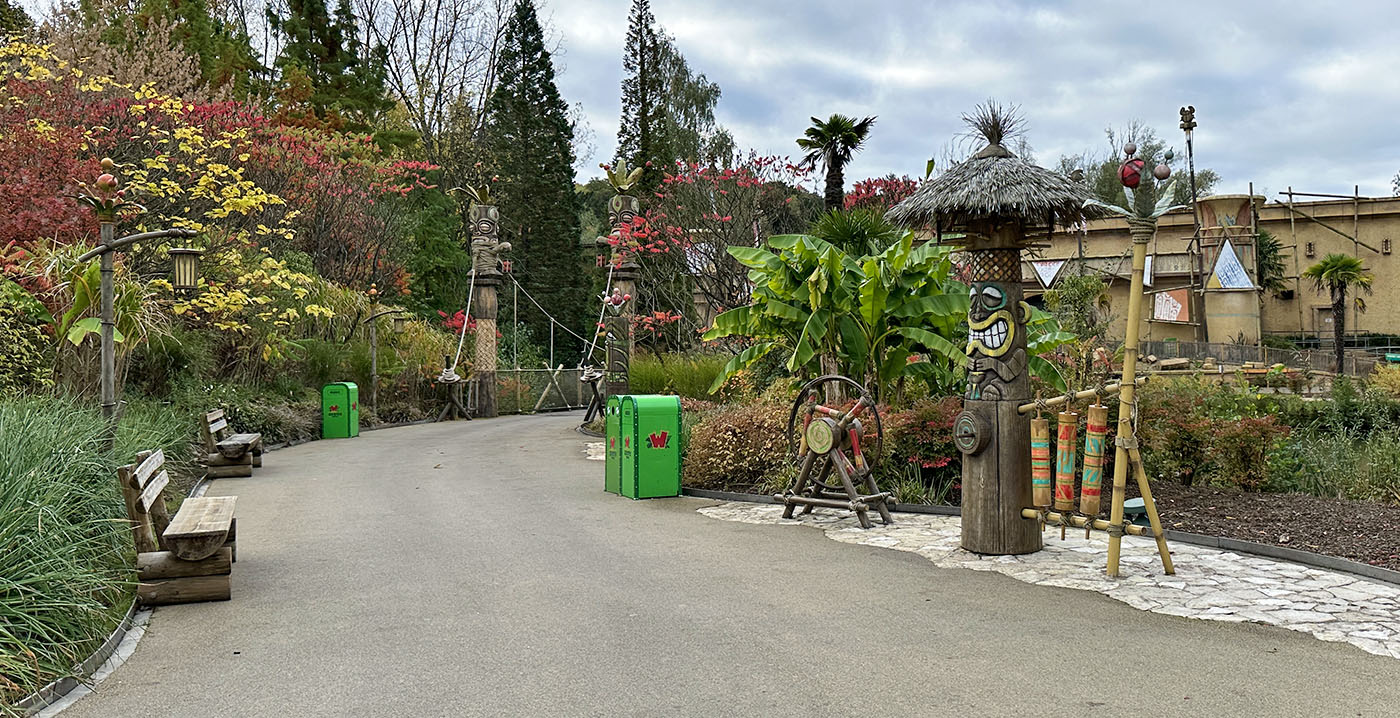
x: 1286, y: 93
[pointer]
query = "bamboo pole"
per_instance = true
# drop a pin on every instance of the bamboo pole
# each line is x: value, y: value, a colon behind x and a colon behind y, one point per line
x: 1040, y: 462
x: 1063, y: 399
x: 109, y: 350
x: 1141, y: 231
x: 1146, y: 490
x: 1065, y: 435
x: 1095, y: 430
x: 1055, y: 518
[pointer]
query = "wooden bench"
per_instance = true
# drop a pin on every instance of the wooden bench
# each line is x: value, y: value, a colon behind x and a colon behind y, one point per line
x: 183, y: 559
x: 229, y: 454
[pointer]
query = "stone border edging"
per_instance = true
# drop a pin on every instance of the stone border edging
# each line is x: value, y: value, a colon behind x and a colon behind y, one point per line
x: 1307, y: 558
x: 59, y: 688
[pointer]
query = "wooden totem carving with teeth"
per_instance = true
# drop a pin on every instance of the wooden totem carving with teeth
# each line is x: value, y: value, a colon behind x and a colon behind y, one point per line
x: 996, y: 341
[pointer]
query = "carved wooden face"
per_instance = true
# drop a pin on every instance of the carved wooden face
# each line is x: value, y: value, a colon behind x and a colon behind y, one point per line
x: 485, y: 222
x: 623, y: 210
x: 991, y: 323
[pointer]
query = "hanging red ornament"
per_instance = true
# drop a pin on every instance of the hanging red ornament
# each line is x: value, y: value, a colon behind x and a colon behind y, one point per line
x: 1131, y: 173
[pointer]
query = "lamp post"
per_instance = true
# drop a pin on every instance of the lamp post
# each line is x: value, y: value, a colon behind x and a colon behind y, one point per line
x: 374, y: 340
x: 105, y: 198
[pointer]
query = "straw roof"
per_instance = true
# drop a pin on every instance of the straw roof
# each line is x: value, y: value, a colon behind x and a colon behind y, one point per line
x: 993, y: 185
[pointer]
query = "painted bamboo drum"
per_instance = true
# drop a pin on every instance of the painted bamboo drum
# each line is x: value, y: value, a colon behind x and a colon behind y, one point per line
x: 1040, y: 462
x: 1065, y: 449
x: 1094, y: 435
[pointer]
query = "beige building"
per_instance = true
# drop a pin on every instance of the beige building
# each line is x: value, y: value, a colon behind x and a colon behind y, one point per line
x: 1231, y: 309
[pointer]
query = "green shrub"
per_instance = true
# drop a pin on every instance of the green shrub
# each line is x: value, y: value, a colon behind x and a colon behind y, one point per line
x: 1239, y: 450
x: 688, y: 375
x: 66, y: 557
x: 25, y: 362
x: 737, y: 447
x: 920, y: 462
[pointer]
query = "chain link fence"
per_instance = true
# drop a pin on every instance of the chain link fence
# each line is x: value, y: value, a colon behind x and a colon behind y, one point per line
x: 1355, y: 363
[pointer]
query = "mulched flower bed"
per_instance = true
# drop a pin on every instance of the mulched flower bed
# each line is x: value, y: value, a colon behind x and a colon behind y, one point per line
x: 1355, y: 530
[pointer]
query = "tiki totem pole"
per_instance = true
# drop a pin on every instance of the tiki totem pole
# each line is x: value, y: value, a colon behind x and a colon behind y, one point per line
x: 617, y: 325
x: 486, y: 248
x: 993, y: 435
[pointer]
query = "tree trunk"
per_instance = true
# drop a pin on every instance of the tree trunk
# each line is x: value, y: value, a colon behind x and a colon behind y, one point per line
x: 1339, y: 320
x: 835, y: 195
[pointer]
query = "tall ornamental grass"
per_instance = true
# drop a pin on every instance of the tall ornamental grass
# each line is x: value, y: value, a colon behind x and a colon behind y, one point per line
x: 66, y: 555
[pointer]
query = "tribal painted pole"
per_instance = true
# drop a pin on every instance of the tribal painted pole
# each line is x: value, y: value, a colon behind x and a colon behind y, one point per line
x: 623, y: 211
x: 1066, y: 434
x: 1091, y: 485
x: 994, y: 436
x: 1040, y: 462
x: 486, y: 249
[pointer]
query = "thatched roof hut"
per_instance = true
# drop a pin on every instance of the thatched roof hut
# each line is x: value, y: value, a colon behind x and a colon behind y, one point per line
x: 994, y: 190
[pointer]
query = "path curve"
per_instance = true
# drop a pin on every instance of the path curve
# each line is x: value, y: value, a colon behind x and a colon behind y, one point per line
x: 476, y: 568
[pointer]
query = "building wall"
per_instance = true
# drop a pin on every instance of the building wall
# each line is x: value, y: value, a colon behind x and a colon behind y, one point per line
x: 1106, y: 250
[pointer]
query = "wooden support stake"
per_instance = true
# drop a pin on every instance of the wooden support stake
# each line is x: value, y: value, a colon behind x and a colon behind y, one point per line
x: 1040, y: 462
x: 1152, y: 517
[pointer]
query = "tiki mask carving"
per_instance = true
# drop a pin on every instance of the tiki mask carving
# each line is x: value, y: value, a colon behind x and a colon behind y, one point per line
x: 486, y: 244
x: 623, y: 210
x: 996, y: 318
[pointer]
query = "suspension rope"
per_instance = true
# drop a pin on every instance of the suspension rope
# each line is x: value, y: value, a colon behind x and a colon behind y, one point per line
x: 466, y: 316
x: 602, y: 308
x: 547, y: 315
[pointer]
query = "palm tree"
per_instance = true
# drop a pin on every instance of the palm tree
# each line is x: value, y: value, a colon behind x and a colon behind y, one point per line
x: 832, y: 143
x: 1338, y: 273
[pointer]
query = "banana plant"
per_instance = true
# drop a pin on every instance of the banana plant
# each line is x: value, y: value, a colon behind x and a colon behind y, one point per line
x: 899, y: 314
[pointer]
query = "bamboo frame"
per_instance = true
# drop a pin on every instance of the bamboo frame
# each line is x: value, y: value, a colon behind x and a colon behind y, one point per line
x: 1056, y: 518
x: 1063, y: 399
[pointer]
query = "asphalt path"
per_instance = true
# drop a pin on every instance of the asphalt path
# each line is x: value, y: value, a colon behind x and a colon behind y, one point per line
x: 478, y: 569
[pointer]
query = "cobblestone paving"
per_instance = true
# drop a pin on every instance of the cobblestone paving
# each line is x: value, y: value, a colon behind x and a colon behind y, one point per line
x: 1209, y: 584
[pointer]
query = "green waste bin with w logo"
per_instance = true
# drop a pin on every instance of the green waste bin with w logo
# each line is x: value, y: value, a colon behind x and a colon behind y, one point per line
x: 650, y: 428
x: 340, y: 410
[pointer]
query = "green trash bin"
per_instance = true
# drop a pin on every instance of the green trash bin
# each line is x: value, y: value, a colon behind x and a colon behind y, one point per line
x: 612, y: 419
x: 340, y: 410
x: 651, y: 446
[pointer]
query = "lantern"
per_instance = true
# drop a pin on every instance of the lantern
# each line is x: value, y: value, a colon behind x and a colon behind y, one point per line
x: 400, y: 324
x: 185, y: 267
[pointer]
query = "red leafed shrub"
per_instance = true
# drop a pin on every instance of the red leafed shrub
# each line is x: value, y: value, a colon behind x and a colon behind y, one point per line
x: 920, y: 439
x: 880, y: 193
x: 738, y: 448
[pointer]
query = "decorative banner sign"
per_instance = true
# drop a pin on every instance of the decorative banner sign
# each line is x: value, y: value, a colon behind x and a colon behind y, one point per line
x: 1047, y: 270
x: 1229, y: 272
x: 1147, y: 272
x: 1172, y: 306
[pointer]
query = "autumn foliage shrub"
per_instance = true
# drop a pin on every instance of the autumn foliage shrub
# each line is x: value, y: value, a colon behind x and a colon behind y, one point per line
x: 737, y: 447
x: 919, y: 443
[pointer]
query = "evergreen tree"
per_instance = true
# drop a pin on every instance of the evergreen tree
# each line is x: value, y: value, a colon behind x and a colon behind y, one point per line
x: 345, y: 78
x: 528, y: 138
x: 668, y: 112
x: 13, y: 18
x: 642, y: 90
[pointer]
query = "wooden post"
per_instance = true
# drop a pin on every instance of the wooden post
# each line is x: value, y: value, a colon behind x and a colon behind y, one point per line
x: 1096, y: 429
x: 620, y: 341
x: 373, y: 347
x: 484, y: 306
x: 486, y: 248
x: 1065, y: 435
x: 992, y: 434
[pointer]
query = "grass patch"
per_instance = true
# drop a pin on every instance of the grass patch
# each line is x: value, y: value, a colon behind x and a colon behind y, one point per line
x: 66, y: 557
x: 688, y: 375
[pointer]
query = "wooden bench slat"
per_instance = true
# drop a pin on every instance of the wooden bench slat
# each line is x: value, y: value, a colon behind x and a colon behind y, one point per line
x: 151, y: 494
x: 203, y: 516
x: 214, y: 415
x: 240, y: 440
x: 148, y: 468
x: 218, y: 426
